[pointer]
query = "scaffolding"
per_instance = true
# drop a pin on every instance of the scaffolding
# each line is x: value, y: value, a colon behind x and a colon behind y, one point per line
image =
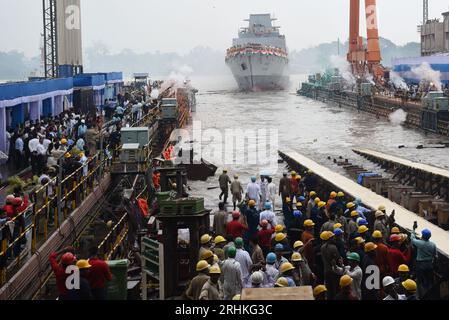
x: 50, y: 39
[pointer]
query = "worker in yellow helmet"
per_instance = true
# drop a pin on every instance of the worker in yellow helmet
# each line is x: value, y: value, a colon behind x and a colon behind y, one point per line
x: 196, y: 285
x: 332, y: 200
x: 346, y: 291
x: 403, y: 274
x: 329, y: 256
x: 205, y: 242
x: 369, y: 263
x: 410, y: 289
x: 220, y: 242
x: 307, y: 238
x: 381, y: 252
x: 319, y: 293
x: 339, y: 204
x: 352, y: 274
x: 212, y: 289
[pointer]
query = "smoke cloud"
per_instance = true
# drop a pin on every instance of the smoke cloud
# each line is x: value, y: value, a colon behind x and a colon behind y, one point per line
x: 426, y: 73
x: 398, y: 117
x: 397, y: 80
x: 344, y: 67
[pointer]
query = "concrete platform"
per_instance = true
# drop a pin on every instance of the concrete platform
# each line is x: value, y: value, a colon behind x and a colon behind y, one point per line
x: 403, y: 217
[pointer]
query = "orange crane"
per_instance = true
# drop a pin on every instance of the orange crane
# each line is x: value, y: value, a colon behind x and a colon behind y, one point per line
x: 365, y: 61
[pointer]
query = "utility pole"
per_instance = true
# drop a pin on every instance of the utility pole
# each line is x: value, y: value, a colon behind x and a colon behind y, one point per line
x: 425, y: 11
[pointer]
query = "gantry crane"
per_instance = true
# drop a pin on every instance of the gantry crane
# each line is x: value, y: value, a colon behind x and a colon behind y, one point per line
x: 365, y: 61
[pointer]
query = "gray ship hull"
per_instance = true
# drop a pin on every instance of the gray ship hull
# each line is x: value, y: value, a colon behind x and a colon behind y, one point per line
x: 260, y: 72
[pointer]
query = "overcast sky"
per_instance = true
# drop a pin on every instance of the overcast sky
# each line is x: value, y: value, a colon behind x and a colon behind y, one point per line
x: 180, y: 25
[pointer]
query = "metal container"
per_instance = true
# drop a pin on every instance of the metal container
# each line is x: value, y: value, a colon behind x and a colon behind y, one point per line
x: 139, y: 135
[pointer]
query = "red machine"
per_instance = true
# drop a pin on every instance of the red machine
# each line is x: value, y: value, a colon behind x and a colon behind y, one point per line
x: 365, y: 60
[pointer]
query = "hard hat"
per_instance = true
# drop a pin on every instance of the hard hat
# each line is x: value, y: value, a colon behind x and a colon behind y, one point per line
x: 280, y: 237
x: 377, y: 234
x: 267, y: 205
x: 219, y: 239
x: 237, y: 297
x: 353, y: 256
x: 9, y: 198
x: 370, y: 247
x: 264, y: 223
x: 379, y: 214
x: 395, y: 230
x: 321, y: 204
x: 359, y: 240
x: 403, y: 268
x: 68, y: 258
x: 310, y: 172
x: 362, y: 222
x: 312, y: 194
x: 333, y: 195
x: 83, y: 264
x: 409, y: 285
x: 350, y: 205
x: 288, y: 200
x: 285, y: 267
x: 109, y: 224
x: 387, y: 281
x: 298, y: 177
x: 271, y: 258
x: 326, y: 235
x: 297, y: 214
x: 279, y: 228
x: 205, y: 238
x: 214, y: 270
x: 63, y: 141
x: 317, y: 200
x: 338, y: 226
x: 201, y: 265
x: 206, y: 255
x: 279, y: 247
x: 252, y: 203
x: 216, y: 259
x: 236, y: 214
x: 301, y: 198
x: 395, y: 238
x: 67, y: 155
x: 225, y: 170
x: 296, y: 257
x: 309, y: 223
x: 382, y: 208
x: 426, y: 234
x: 238, y: 242
x: 354, y: 214
x: 340, y: 194
x: 293, y: 173
x: 298, y: 244
x: 338, y: 232
x: 362, y: 229
x: 345, y: 281
x: 232, y: 251
x: 281, y: 282
x: 253, y: 179
x: 236, y: 176
x: 81, y: 154
x: 319, y: 290
x: 298, y: 205
x: 257, y: 277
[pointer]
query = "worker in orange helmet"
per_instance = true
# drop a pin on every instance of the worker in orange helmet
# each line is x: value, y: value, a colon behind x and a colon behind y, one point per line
x: 68, y: 258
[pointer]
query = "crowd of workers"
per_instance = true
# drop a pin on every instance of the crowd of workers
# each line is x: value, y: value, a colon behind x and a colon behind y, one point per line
x: 340, y: 248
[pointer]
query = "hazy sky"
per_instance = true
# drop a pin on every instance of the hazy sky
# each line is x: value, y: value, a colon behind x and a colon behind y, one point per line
x: 180, y: 25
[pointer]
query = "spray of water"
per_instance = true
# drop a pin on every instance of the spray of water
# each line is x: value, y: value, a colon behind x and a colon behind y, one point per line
x: 397, y: 80
x: 344, y: 67
x: 176, y: 79
x: 398, y: 117
x: 426, y: 73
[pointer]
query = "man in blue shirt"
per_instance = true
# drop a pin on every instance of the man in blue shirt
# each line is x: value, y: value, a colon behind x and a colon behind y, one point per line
x: 426, y: 253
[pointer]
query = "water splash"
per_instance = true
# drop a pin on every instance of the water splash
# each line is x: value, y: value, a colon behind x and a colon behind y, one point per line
x: 398, y: 117
x: 344, y: 67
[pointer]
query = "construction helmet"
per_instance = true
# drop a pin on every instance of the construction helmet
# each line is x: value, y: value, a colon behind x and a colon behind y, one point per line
x: 403, y: 268
x: 387, y: 281
x: 280, y: 237
x: 317, y: 200
x: 354, y: 214
x: 362, y: 229
x: 238, y: 242
x: 9, y: 198
x: 67, y: 155
x: 298, y: 205
x: 232, y: 251
x: 345, y: 281
x: 409, y: 285
x: 288, y: 200
x: 281, y: 282
x: 319, y: 290
x: 216, y: 259
x: 214, y: 270
x: 309, y: 223
x: 237, y: 297
x: 377, y: 234
x: 370, y: 247
x: 206, y: 255
x: 333, y: 195
x: 350, y: 205
x: 205, y: 238
x: 202, y: 265
x: 219, y: 239
x: 225, y: 170
x: 338, y: 232
x: 395, y: 238
x: 83, y: 264
x: 279, y: 228
x: 298, y: 177
x: 271, y: 258
x: 338, y: 226
x: 63, y: 141
x: 279, y: 247
x: 395, y: 230
x: 235, y: 214
x: 257, y: 277
x: 379, y: 214
x: 312, y: 194
x: 426, y: 234
x: 382, y: 208
x: 321, y: 204
x: 252, y: 203
x: 298, y: 244
x: 293, y: 173
x: 68, y: 258
x: 296, y: 257
x: 285, y: 267
x: 340, y: 194
x: 353, y: 256
x: 326, y: 235
x: 267, y: 205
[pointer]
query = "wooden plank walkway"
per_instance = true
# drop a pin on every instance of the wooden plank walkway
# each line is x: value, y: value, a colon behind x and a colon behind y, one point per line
x: 403, y: 217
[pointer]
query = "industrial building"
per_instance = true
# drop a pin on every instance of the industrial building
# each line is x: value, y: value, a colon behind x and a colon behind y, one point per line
x: 435, y: 36
x: 404, y: 67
